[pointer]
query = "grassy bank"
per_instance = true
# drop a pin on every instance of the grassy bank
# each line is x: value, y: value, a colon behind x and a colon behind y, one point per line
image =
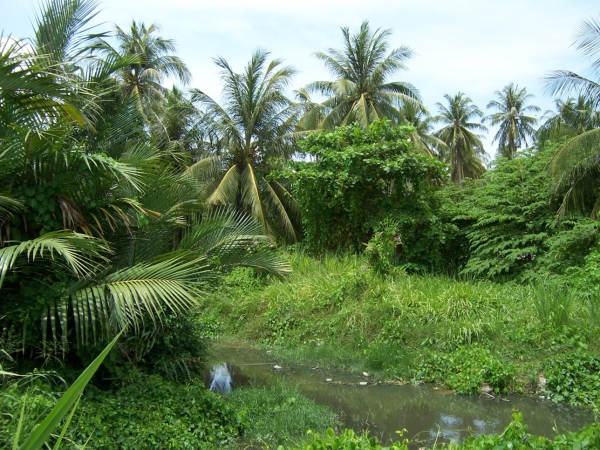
x: 465, y: 334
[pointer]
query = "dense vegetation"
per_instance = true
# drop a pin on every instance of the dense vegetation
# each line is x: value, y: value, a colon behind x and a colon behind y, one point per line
x: 151, y: 218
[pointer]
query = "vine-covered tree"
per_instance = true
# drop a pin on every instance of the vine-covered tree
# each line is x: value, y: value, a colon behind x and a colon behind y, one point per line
x: 361, y: 179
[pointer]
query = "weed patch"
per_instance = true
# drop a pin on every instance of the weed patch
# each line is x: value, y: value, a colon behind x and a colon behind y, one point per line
x: 467, y: 370
x: 279, y: 414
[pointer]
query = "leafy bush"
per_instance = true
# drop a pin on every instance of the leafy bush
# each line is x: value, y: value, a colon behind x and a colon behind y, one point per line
x: 466, y: 370
x: 146, y: 413
x: 149, y: 413
x: 510, y: 217
x: 574, y: 378
x: 508, y: 220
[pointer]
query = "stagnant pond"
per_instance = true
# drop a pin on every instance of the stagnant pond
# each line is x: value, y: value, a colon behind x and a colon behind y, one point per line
x: 428, y: 413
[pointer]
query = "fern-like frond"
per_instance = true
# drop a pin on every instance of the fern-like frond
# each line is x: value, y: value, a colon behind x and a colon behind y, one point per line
x: 79, y: 252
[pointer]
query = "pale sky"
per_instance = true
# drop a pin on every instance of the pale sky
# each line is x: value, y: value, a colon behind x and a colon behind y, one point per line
x: 475, y: 46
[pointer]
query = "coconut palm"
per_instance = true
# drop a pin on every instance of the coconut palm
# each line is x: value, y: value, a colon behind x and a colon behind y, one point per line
x: 571, y: 118
x: 576, y: 165
x: 464, y: 150
x: 254, y: 126
x: 174, y: 122
x: 361, y: 91
x: 423, y: 138
x: 153, y: 61
x: 515, y: 126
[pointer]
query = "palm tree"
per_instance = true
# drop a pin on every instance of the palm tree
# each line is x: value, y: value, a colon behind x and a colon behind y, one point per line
x: 174, y: 122
x: 571, y: 118
x: 153, y: 60
x: 361, y: 91
x: 254, y: 126
x: 422, y: 137
x: 464, y: 151
x: 576, y: 165
x: 515, y: 125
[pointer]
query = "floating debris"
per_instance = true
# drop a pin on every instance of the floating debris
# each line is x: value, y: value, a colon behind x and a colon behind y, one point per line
x: 363, y: 383
x: 276, y: 367
x: 329, y: 380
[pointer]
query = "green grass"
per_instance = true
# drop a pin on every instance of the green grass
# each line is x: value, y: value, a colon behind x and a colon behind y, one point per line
x: 335, y: 312
x: 279, y: 414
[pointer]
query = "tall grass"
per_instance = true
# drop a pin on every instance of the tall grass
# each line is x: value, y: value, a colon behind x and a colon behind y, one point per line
x: 554, y: 304
x: 337, y: 305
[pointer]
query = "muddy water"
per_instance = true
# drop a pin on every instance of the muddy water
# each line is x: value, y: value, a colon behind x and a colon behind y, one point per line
x: 428, y: 413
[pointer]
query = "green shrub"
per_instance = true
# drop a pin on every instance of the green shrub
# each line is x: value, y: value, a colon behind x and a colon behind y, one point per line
x: 509, y: 222
x: 150, y: 413
x: 574, y: 378
x: 466, y: 370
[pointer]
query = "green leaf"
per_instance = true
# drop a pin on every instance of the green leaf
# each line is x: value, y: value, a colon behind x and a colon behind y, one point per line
x: 43, y: 431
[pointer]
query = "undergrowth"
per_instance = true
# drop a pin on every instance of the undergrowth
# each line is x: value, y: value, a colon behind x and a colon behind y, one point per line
x: 337, y: 312
x: 279, y: 414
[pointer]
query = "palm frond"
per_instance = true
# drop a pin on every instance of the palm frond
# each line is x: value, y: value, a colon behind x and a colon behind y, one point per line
x: 250, y: 195
x: 227, y: 191
x: 79, y: 252
x: 125, y: 299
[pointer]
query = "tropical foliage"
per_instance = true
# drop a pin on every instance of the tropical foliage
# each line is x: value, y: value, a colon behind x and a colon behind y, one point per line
x: 361, y: 177
x: 571, y: 118
x: 123, y: 203
x: 463, y: 149
x: 361, y: 92
x: 514, y: 125
x: 509, y: 222
x: 255, y: 125
x: 102, y: 230
x: 575, y: 165
x: 150, y: 62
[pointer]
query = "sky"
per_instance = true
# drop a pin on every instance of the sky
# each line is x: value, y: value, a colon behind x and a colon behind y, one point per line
x: 471, y: 46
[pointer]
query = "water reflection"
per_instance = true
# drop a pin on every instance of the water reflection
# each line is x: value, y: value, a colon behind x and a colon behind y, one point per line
x: 427, y: 413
